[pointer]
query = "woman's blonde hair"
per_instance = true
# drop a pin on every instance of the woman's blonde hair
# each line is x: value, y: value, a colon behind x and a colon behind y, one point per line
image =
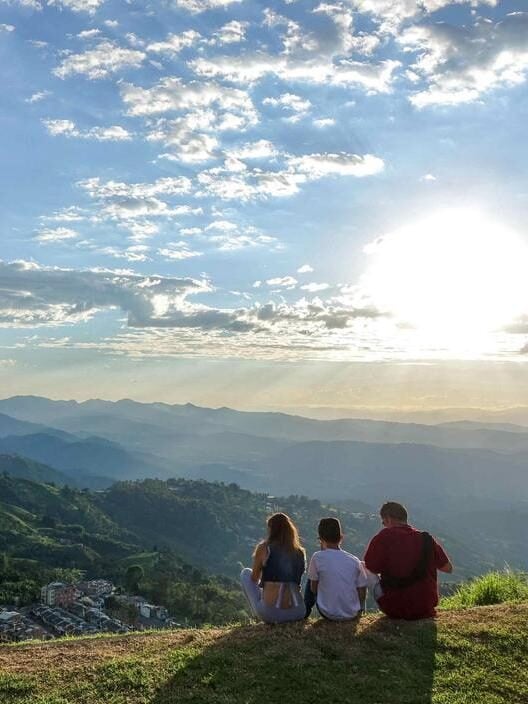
x: 282, y: 531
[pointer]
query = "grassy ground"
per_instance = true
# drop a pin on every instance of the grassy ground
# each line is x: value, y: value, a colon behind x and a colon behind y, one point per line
x: 473, y: 656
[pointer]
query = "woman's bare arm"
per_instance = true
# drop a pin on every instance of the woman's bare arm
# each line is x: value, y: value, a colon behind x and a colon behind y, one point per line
x: 259, y: 558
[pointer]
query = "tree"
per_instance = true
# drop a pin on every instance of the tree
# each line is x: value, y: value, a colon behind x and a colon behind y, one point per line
x: 133, y: 577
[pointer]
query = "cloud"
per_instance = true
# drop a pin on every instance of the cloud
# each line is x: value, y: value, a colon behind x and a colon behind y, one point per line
x: 100, y: 62
x: 284, y: 281
x: 314, y: 287
x: 176, y: 251
x: 168, y: 186
x: 460, y: 64
x: 37, y: 97
x: 57, y: 234
x: 290, y: 102
x: 198, y: 6
x: 89, y: 6
x: 318, y: 165
x: 247, y: 184
x: 233, y: 32
x: 7, y: 28
x: 262, y: 149
x: 89, y: 33
x: 204, y: 109
x: 68, y: 128
x: 135, y: 253
x: 324, y: 122
x: 390, y: 14
x: 305, y: 269
x: 33, y: 295
x: 250, y: 68
x: 175, y: 43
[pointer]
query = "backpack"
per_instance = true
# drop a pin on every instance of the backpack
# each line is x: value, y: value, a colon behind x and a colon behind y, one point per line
x: 419, y: 571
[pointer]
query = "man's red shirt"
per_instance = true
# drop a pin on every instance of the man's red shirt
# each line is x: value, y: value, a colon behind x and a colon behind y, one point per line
x: 396, y: 552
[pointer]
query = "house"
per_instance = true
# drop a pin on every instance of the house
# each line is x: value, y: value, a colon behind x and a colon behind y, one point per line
x: 96, y: 587
x: 58, y: 594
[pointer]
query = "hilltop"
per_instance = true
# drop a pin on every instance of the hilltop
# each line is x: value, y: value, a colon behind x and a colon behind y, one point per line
x: 476, y: 655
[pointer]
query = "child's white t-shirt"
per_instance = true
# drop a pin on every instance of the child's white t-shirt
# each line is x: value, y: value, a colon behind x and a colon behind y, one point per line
x: 338, y: 574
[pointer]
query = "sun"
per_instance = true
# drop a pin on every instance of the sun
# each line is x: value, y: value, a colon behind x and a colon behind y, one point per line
x: 452, y: 276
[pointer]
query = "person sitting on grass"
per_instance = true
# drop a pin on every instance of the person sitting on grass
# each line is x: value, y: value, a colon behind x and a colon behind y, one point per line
x: 401, y: 566
x: 336, y: 579
x: 272, y: 585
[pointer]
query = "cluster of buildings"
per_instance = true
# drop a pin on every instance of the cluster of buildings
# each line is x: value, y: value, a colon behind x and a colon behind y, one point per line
x: 79, y: 609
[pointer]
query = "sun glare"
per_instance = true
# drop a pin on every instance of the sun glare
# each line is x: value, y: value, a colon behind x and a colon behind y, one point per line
x: 453, y: 276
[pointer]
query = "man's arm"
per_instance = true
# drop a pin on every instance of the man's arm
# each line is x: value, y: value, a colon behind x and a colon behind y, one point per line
x: 448, y: 567
x: 375, y: 555
x: 442, y: 562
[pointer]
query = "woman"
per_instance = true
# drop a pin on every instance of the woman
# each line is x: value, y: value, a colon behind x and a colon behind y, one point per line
x: 272, y: 586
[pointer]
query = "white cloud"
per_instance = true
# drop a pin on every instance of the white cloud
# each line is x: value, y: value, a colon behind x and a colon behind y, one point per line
x: 319, y: 165
x: 7, y: 28
x: 89, y: 6
x: 68, y: 128
x: 135, y: 253
x: 174, y: 43
x: 248, y: 184
x: 314, y: 287
x: 115, y: 133
x: 173, y: 95
x: 100, y: 62
x: 176, y: 251
x: 31, y: 4
x: 290, y: 101
x: 33, y: 295
x: 57, y: 234
x: 168, y: 186
x: 262, y: 149
x: 197, y: 6
x: 282, y: 281
x: 251, y: 68
x: 89, y: 33
x: 391, y: 13
x: 36, y: 97
x: 428, y: 177
x: 324, y: 122
x: 460, y: 64
x: 61, y: 127
x: 305, y: 269
x: 205, y: 109
x: 232, y: 242
x: 233, y: 32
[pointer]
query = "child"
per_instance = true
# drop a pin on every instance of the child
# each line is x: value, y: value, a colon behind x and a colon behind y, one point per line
x: 337, y: 580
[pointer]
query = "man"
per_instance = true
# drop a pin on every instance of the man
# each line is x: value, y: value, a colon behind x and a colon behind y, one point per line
x: 336, y: 579
x: 403, y: 563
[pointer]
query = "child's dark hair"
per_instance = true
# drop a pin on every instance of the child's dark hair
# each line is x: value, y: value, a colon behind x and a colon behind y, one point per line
x: 330, y: 530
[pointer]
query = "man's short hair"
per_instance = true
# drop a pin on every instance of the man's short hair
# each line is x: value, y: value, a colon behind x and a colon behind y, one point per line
x: 330, y: 530
x: 394, y: 510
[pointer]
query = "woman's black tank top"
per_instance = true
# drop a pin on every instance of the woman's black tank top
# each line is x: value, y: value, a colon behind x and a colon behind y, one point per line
x: 283, y: 565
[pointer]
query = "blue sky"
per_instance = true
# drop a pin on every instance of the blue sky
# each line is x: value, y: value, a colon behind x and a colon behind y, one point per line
x: 199, y: 182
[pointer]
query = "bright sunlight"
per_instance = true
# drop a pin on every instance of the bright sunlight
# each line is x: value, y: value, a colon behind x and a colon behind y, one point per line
x: 453, y: 276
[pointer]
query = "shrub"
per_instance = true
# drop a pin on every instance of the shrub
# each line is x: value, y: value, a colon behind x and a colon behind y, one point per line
x: 491, y: 588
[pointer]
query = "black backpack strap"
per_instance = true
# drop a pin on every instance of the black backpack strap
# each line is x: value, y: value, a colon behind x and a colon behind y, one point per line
x: 419, y: 571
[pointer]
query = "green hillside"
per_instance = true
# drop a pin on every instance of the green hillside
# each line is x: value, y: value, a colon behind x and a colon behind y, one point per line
x: 465, y: 657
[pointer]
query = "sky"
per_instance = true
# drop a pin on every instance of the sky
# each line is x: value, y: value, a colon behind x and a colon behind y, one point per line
x: 265, y: 203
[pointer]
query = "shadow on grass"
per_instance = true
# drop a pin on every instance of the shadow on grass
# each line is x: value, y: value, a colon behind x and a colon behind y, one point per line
x: 374, y: 662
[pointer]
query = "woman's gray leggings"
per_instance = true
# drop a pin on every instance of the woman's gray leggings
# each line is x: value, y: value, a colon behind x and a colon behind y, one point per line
x: 265, y: 612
